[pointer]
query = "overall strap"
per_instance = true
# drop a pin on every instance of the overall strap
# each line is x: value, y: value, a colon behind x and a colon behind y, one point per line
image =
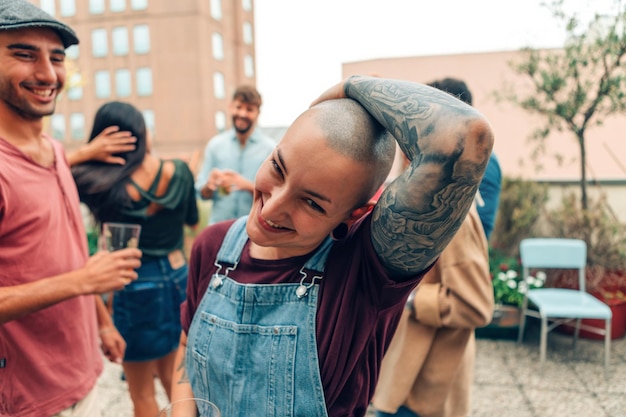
x: 317, y: 262
x: 234, y: 241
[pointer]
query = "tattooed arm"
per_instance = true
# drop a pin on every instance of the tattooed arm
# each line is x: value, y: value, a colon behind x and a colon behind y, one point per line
x: 181, y: 388
x: 448, y: 144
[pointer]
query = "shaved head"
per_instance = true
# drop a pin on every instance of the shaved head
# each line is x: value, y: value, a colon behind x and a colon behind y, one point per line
x: 355, y: 134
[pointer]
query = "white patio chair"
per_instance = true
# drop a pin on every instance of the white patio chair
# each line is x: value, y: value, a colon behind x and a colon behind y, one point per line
x: 555, y: 306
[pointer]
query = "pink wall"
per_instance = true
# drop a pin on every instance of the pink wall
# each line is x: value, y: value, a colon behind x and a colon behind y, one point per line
x: 486, y: 73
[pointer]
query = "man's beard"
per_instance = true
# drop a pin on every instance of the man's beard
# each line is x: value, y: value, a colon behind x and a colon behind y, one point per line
x: 239, y: 129
x: 20, y: 106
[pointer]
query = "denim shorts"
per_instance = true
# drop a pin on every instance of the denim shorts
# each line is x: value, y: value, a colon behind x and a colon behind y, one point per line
x: 147, y: 311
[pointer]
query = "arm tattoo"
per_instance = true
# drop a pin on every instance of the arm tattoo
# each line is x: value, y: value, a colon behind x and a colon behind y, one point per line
x: 448, y: 144
x: 184, y: 378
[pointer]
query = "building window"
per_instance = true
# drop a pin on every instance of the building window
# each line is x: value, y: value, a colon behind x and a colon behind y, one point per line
x: 216, y: 9
x: 117, y: 5
x: 248, y: 66
x: 120, y: 40
x: 141, y: 39
x: 75, y: 87
x: 72, y: 52
x: 57, y: 124
x: 99, y: 47
x: 77, y: 126
x: 220, y: 121
x: 96, y: 6
x: 247, y: 33
x: 139, y: 4
x: 123, y: 86
x: 148, y: 117
x: 218, y: 46
x: 219, y: 85
x: 103, y: 84
x: 144, y: 81
x: 47, y: 6
x: 246, y: 5
x: 68, y: 7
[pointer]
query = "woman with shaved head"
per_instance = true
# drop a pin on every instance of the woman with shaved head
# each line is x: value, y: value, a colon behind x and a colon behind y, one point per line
x: 290, y: 309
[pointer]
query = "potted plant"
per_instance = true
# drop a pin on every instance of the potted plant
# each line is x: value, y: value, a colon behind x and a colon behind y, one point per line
x: 509, y: 288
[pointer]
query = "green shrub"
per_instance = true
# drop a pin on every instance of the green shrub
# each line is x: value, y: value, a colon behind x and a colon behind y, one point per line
x: 521, y: 204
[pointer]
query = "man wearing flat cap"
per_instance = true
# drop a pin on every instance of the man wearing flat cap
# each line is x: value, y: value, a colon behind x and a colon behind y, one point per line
x: 49, y: 312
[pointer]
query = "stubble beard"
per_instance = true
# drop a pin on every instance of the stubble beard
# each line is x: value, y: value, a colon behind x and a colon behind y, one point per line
x: 20, y: 106
x: 245, y: 130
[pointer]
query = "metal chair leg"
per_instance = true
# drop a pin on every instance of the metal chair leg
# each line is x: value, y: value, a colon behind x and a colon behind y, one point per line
x: 543, y: 344
x: 607, y: 345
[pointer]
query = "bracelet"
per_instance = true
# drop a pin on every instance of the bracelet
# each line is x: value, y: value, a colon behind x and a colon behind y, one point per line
x: 106, y: 330
x: 409, y: 302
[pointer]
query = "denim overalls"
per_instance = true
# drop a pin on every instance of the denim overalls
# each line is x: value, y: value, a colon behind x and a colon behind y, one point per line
x: 251, y: 347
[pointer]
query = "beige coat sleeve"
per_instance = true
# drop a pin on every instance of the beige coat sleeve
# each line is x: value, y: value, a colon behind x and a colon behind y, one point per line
x: 428, y: 366
x: 457, y: 291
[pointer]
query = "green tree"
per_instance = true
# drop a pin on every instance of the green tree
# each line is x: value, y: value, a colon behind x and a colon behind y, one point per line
x: 576, y: 87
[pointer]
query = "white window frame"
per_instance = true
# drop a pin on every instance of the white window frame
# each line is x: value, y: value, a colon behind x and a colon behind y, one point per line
x: 144, y: 86
x: 123, y: 83
x: 77, y: 121
x: 102, y: 82
x: 216, y: 9
x: 96, y: 6
x: 248, y: 36
x: 138, y: 4
x: 141, y: 39
x: 119, y: 37
x: 68, y: 8
x: 248, y: 66
x: 219, y: 85
x: 217, y: 44
x: 117, y: 6
x: 99, y: 43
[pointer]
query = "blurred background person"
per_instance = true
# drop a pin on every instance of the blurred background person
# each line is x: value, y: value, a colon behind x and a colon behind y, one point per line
x: 488, y: 198
x: 428, y: 369
x: 231, y: 159
x: 159, y: 195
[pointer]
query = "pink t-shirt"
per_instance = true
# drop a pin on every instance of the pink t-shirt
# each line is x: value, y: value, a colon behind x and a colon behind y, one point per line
x: 49, y: 359
x: 359, y: 306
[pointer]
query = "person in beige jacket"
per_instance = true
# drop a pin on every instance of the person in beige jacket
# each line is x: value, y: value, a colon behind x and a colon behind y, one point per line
x: 427, y: 371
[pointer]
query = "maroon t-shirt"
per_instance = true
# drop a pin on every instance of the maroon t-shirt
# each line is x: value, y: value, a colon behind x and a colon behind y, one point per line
x: 359, y: 306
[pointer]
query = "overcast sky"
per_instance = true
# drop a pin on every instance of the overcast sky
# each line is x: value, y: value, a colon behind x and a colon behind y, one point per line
x: 301, y: 44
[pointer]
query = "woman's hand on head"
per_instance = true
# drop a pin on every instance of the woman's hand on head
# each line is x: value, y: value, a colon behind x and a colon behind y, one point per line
x: 109, y: 142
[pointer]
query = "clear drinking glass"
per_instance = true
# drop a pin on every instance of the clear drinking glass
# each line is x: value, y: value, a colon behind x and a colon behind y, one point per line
x: 116, y: 236
x: 190, y: 407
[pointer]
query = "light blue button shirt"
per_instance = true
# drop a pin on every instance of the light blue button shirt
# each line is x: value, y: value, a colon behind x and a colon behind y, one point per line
x: 224, y: 151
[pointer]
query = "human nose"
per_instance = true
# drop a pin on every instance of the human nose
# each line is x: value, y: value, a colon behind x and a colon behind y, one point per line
x: 46, y: 71
x: 276, y: 206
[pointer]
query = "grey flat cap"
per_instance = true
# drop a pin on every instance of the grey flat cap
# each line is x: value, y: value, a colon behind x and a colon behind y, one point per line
x: 20, y: 14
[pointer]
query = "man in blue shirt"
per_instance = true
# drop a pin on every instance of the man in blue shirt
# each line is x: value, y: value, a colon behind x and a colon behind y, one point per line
x: 489, y: 191
x: 232, y: 158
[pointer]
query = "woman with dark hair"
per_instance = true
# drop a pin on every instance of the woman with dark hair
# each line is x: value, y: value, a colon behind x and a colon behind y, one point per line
x: 159, y: 195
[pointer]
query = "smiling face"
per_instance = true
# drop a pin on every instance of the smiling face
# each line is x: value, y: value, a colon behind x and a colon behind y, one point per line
x: 303, y: 191
x: 244, y: 116
x: 32, y: 72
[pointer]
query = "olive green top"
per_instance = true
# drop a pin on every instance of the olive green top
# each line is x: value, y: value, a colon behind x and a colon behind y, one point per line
x: 162, y: 231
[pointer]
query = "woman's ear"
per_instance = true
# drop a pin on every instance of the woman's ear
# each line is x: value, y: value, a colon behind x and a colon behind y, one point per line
x: 359, y: 212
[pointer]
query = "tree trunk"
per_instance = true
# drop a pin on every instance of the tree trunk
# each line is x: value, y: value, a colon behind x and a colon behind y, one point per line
x: 583, y: 172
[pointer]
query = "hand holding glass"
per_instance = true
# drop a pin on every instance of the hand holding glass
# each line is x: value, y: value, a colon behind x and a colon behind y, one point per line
x: 116, y: 236
x: 190, y: 407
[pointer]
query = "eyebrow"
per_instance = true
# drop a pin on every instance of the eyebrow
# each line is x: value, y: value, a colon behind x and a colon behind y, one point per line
x: 33, y: 48
x: 313, y: 193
